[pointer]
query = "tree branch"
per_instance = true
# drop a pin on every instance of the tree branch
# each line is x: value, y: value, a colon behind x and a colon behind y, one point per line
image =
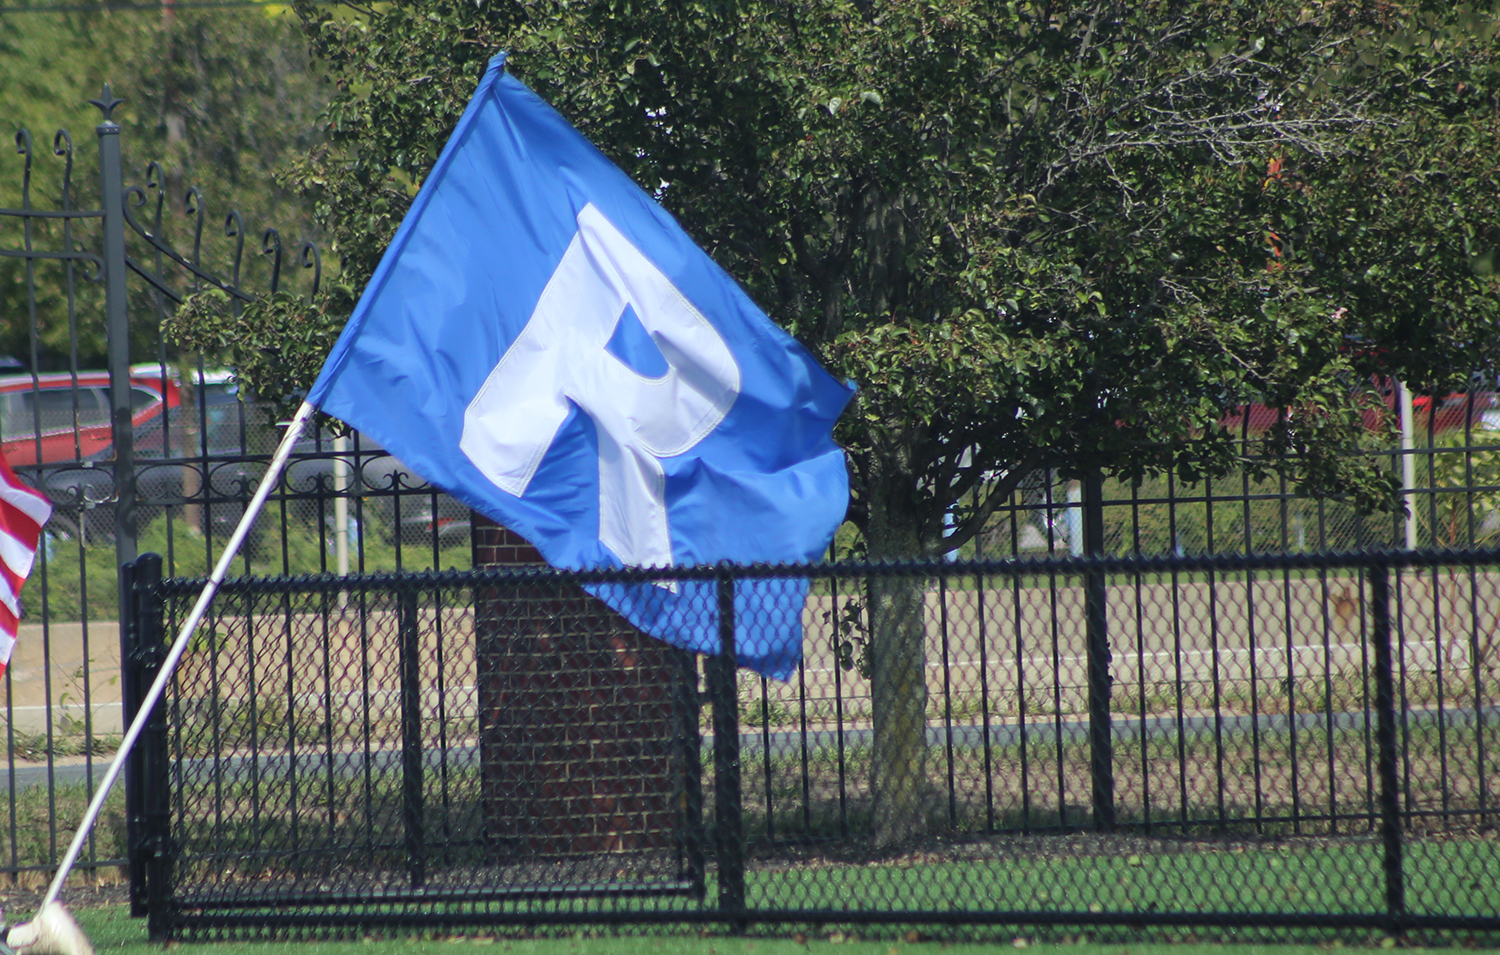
x: 999, y: 492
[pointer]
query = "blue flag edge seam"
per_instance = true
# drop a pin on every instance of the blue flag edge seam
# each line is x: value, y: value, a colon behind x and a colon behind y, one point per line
x: 337, y: 358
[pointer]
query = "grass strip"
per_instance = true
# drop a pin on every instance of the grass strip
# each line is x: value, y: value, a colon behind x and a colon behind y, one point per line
x: 114, y: 932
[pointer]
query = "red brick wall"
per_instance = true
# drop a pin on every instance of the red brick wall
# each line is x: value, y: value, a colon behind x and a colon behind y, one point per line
x: 579, y: 730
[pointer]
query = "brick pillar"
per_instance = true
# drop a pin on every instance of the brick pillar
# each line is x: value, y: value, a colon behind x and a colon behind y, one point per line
x: 580, y: 720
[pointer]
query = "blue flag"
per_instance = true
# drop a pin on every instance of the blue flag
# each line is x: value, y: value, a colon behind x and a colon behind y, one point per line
x: 544, y: 342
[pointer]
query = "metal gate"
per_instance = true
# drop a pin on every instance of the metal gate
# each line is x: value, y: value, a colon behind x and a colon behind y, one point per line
x: 413, y: 749
x: 153, y: 450
x: 141, y: 446
x: 147, y: 444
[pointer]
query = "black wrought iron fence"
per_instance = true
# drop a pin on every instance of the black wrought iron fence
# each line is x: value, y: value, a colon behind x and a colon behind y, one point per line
x: 1213, y: 740
x: 142, y: 447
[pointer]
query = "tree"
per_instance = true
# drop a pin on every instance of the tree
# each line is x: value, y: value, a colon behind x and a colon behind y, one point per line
x: 219, y: 98
x: 1062, y: 235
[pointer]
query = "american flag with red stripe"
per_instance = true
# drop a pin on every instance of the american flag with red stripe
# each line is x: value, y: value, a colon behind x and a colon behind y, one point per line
x: 23, y: 511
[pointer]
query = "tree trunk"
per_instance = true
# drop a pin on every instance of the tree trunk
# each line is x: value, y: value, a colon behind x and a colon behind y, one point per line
x: 898, y: 681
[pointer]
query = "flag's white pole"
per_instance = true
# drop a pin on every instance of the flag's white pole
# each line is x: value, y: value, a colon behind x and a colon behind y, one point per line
x: 1408, y: 464
x: 278, y: 463
x: 341, y: 511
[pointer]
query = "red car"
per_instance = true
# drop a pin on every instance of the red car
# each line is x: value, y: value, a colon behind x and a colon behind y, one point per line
x: 47, y: 420
x: 1482, y: 412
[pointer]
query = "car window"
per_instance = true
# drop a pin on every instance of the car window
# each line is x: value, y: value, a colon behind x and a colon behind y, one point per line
x: 54, y: 408
x: 225, y: 428
x: 10, y: 414
x: 139, y: 398
x: 218, y: 392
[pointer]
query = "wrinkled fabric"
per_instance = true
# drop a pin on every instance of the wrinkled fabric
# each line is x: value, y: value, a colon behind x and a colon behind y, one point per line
x: 700, y: 433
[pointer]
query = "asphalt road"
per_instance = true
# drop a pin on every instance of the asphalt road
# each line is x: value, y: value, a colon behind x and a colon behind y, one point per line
x: 753, y: 743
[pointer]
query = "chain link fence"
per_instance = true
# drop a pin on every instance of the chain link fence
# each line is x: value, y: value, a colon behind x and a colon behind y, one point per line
x: 1273, y: 741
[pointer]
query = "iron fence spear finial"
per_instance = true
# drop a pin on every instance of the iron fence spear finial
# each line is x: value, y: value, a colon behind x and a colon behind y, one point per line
x: 107, y: 102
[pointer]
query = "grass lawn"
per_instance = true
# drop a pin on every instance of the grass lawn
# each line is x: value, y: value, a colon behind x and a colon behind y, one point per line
x: 1332, y: 878
x: 115, y: 933
x: 1083, y: 873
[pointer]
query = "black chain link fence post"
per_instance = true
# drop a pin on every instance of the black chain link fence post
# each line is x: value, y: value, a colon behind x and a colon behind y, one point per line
x: 132, y: 688
x: 729, y: 830
x: 1385, y: 705
x: 151, y: 633
x: 148, y: 790
x: 1096, y: 623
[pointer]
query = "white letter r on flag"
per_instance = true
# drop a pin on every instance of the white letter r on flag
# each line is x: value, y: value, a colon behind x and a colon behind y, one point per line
x: 561, y: 357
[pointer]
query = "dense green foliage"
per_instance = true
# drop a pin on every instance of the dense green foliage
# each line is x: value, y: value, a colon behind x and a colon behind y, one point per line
x: 1039, y: 235
x: 219, y: 98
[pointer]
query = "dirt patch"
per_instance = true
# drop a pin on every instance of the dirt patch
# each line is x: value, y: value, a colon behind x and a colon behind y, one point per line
x: 19, y: 900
